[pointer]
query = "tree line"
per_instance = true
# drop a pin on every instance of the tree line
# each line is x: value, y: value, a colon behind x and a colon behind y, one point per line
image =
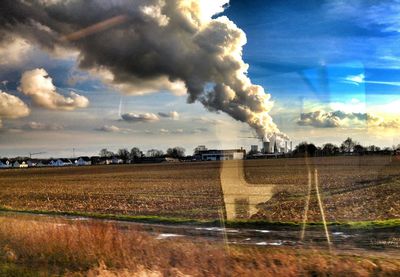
x: 348, y: 146
x: 135, y: 153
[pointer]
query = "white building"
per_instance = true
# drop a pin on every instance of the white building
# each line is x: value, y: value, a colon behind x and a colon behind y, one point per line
x: 61, y: 162
x: 83, y: 161
x: 18, y: 164
x: 4, y: 163
x: 222, y: 155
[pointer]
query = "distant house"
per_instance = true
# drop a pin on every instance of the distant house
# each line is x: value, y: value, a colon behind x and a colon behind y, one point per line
x: 117, y: 160
x: 32, y: 162
x: 5, y: 163
x: 82, y: 161
x: 95, y: 160
x: 20, y: 164
x: 42, y: 163
x: 171, y: 160
x: 61, y: 162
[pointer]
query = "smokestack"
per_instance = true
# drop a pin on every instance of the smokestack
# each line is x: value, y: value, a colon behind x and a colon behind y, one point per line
x: 266, y: 147
x: 286, y: 146
x: 291, y: 146
x: 275, y: 147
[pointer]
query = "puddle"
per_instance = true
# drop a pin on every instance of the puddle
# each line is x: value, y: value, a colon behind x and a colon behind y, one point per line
x: 167, y: 236
x: 264, y: 243
x: 217, y: 229
x: 262, y: 231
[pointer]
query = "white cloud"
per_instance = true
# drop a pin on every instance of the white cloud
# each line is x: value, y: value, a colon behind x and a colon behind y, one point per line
x: 12, y: 107
x: 360, y: 79
x: 39, y: 86
x: 197, y: 52
x: 173, y: 115
x: 164, y: 131
x: 13, y: 51
x: 109, y: 129
x: 134, y: 118
x: 178, y: 131
x: 355, y: 79
x: 154, y: 12
x: 340, y: 119
x: 39, y: 126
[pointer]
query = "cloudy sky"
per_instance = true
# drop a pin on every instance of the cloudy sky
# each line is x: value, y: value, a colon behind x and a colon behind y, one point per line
x: 155, y: 73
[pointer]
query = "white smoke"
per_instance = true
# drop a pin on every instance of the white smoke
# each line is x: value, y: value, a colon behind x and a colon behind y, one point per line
x: 146, y: 46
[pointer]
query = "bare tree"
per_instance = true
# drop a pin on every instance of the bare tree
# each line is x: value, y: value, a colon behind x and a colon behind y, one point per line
x: 135, y: 153
x: 154, y: 153
x: 176, y: 152
x: 330, y: 149
x: 358, y: 148
x: 123, y: 154
x: 104, y: 153
x: 305, y: 148
x: 348, y: 145
x: 373, y: 148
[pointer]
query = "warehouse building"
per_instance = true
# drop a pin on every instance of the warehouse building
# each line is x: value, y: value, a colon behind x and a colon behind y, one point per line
x: 221, y: 155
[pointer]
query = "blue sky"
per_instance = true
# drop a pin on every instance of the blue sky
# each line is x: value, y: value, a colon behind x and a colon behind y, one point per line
x: 309, y: 55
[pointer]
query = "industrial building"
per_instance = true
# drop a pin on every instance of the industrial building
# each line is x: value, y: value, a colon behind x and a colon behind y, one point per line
x: 272, y: 146
x: 221, y: 155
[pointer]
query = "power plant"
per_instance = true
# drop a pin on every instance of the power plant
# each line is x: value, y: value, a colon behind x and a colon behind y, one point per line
x: 271, y: 146
x: 274, y: 145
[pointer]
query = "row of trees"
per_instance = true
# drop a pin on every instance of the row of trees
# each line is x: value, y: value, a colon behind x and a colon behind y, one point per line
x: 348, y: 146
x: 135, y: 153
x: 329, y: 149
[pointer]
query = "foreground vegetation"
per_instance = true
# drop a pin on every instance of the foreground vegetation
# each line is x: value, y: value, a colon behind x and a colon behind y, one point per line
x: 352, y: 189
x: 43, y: 247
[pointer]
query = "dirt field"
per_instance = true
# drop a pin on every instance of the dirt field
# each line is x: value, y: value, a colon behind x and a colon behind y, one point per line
x: 352, y: 188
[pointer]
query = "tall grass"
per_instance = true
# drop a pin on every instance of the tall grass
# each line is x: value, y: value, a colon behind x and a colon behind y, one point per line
x: 90, y: 249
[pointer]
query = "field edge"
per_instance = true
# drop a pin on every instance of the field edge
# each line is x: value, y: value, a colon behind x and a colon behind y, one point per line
x: 375, y: 224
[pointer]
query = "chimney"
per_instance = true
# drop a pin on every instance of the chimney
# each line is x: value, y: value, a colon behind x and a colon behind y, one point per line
x: 266, y: 147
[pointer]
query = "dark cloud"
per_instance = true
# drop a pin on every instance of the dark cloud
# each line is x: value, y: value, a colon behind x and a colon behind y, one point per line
x: 144, y: 46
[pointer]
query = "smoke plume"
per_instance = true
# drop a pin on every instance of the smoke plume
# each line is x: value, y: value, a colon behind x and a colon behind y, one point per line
x: 151, y: 45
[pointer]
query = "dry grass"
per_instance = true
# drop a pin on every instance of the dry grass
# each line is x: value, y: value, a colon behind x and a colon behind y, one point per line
x: 353, y: 188
x: 99, y: 249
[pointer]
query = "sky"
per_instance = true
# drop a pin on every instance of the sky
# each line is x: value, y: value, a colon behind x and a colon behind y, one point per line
x: 159, y: 74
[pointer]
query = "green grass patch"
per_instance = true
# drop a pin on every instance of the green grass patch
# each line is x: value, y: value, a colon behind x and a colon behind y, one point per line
x: 389, y: 223
x: 149, y: 219
x: 17, y: 270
